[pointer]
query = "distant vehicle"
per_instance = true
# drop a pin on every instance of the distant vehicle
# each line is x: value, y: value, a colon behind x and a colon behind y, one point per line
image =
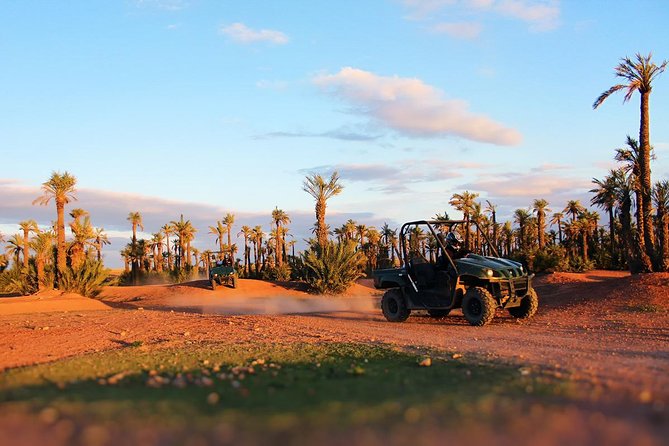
x: 450, y: 276
x: 222, y: 272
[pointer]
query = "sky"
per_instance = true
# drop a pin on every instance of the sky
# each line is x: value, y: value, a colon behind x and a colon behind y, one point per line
x: 200, y: 108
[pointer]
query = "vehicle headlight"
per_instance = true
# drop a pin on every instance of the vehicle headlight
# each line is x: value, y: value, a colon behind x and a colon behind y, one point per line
x: 521, y: 269
x: 488, y: 272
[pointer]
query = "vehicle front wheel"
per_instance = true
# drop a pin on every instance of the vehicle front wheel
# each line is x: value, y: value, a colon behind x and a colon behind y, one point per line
x: 478, y: 306
x: 234, y: 281
x: 528, y: 306
x: 438, y: 314
x: 213, y: 284
x: 394, y: 306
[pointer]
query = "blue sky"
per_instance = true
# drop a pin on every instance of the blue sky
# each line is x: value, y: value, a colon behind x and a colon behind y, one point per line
x: 208, y: 107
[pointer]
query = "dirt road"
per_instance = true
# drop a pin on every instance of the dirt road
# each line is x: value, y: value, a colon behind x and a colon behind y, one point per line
x: 605, y: 329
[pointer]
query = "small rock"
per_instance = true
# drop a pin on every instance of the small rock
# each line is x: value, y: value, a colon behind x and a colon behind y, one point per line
x: 426, y: 362
x: 456, y: 356
x: 213, y: 398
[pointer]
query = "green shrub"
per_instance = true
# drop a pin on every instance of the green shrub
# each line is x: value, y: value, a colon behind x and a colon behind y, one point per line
x: 15, y: 280
x: 332, y: 269
x: 549, y: 259
x: 86, y: 280
x: 281, y: 274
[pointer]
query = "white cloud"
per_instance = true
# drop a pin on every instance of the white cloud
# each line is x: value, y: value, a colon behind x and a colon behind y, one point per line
x: 243, y: 34
x: 459, y: 30
x: 541, y: 15
x: 412, y: 107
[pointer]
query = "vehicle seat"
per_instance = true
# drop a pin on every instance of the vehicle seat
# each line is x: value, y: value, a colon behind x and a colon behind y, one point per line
x: 424, y: 272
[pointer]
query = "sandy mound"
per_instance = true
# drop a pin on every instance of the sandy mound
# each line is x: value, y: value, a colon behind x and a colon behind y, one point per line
x: 48, y: 302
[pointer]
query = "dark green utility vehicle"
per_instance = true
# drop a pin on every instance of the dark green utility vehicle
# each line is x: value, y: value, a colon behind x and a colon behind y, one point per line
x: 439, y: 274
x: 222, y: 272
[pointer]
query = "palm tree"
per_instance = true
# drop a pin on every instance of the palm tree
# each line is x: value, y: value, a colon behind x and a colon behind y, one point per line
x: 361, y: 231
x: 322, y: 191
x: 185, y: 232
x: 256, y: 238
x: 280, y: 218
x: 522, y: 217
x: 42, y: 244
x: 27, y: 226
x: 639, y: 75
x: 157, y: 250
x: 219, y: 231
x: 228, y: 221
x: 540, y: 207
x: 464, y: 203
x: 15, y: 248
x: 556, y: 219
x: 247, y: 232
x: 507, y: 235
x: 60, y: 188
x: 83, y: 235
x: 492, y: 210
x: 101, y: 239
x: 349, y: 229
x: 605, y: 197
x: 575, y: 208
x: 135, y: 218
x: 168, y: 230
x: 661, y: 201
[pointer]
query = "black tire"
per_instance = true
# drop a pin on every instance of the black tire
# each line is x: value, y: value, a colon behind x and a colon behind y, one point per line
x: 438, y: 314
x: 234, y: 282
x: 394, y: 306
x: 213, y: 284
x: 478, y: 306
x: 528, y: 306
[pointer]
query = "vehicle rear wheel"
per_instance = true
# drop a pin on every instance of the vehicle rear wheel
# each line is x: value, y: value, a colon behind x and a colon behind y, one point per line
x: 234, y: 282
x: 478, y: 306
x: 528, y: 306
x: 213, y: 284
x: 394, y: 306
x: 438, y: 314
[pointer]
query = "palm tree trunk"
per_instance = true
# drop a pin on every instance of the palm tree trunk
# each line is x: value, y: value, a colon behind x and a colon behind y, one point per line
x: 61, y: 260
x: 39, y: 261
x: 612, y: 235
x: 321, y: 231
x: 644, y: 168
x: 26, y: 249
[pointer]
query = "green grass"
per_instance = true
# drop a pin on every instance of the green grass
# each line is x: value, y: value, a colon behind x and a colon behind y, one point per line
x: 330, y: 386
x: 645, y: 308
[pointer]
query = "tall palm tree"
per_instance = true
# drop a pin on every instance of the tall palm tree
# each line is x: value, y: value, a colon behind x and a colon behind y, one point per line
x: 60, y: 188
x: 464, y: 203
x: 247, y: 232
x: 15, y: 248
x: 168, y: 230
x: 556, y: 219
x: 42, y: 244
x: 540, y: 206
x: 101, y: 239
x: 157, y: 250
x: 322, y: 190
x: 522, y: 217
x: 185, y: 231
x: 639, y: 75
x: 492, y: 210
x: 349, y: 228
x: 507, y: 235
x: 661, y: 202
x: 219, y: 231
x: 257, y: 238
x: 280, y: 219
x: 135, y: 218
x: 575, y: 208
x: 228, y: 221
x: 27, y: 226
x: 84, y: 234
x: 361, y: 232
